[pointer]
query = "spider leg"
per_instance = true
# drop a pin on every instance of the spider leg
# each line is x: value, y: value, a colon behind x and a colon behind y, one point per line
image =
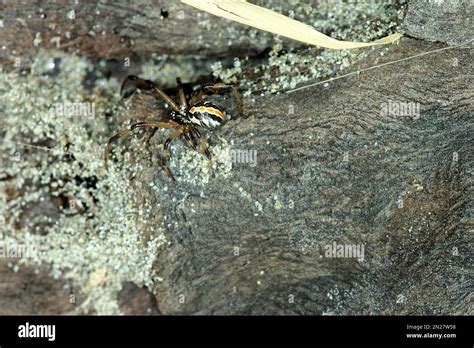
x: 214, y: 89
x: 182, y: 96
x: 204, y: 144
x: 124, y: 132
x: 190, y: 135
x: 156, y: 124
x: 111, y: 140
x: 197, y: 96
x: 132, y: 83
x: 166, y: 152
x: 190, y: 139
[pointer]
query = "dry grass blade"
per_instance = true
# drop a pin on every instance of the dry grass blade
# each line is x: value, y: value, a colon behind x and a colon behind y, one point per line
x: 259, y: 17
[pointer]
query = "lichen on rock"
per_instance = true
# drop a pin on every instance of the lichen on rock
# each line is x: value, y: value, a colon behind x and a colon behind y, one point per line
x: 60, y: 155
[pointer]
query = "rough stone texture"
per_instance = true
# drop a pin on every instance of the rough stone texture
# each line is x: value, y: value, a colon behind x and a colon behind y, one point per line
x: 447, y: 21
x: 345, y: 165
x: 136, y: 301
x: 28, y: 292
x: 331, y: 167
x: 119, y: 29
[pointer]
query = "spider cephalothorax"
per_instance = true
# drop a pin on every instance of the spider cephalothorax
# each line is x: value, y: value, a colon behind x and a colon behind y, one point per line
x: 183, y: 118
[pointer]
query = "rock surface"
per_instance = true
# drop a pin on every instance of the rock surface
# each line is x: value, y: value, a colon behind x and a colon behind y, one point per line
x: 440, y: 20
x: 336, y: 170
x: 380, y: 160
x: 28, y: 292
x: 120, y: 29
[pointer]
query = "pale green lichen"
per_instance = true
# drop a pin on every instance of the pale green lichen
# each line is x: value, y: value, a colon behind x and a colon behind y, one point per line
x: 289, y: 66
x: 112, y: 236
x: 196, y: 169
x: 117, y: 238
x: 164, y: 69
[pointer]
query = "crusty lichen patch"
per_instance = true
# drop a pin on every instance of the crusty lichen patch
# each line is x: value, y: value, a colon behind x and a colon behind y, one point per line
x: 100, y: 239
x: 195, y: 169
x: 287, y: 67
x: 97, y: 231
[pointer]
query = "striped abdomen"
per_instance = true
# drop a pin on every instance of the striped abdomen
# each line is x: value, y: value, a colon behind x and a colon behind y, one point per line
x: 207, y: 114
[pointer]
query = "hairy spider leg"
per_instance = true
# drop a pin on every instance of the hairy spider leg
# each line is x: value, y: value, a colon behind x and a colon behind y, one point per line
x: 204, y: 144
x: 197, y: 96
x: 191, y: 141
x: 180, y: 129
x: 213, y: 89
x: 182, y: 96
x: 147, y: 85
x: 189, y: 135
x: 166, y: 152
x: 167, y: 123
x: 125, y: 132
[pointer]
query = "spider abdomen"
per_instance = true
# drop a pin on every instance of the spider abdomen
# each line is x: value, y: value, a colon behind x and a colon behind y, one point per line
x: 207, y: 114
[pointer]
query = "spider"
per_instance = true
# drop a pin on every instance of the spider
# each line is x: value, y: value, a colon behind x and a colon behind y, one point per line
x: 184, y: 118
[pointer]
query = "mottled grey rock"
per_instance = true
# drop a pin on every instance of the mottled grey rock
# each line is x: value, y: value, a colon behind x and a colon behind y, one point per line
x: 338, y: 163
x: 134, y: 300
x: 26, y: 292
x: 339, y: 168
x: 447, y: 21
x: 120, y: 29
